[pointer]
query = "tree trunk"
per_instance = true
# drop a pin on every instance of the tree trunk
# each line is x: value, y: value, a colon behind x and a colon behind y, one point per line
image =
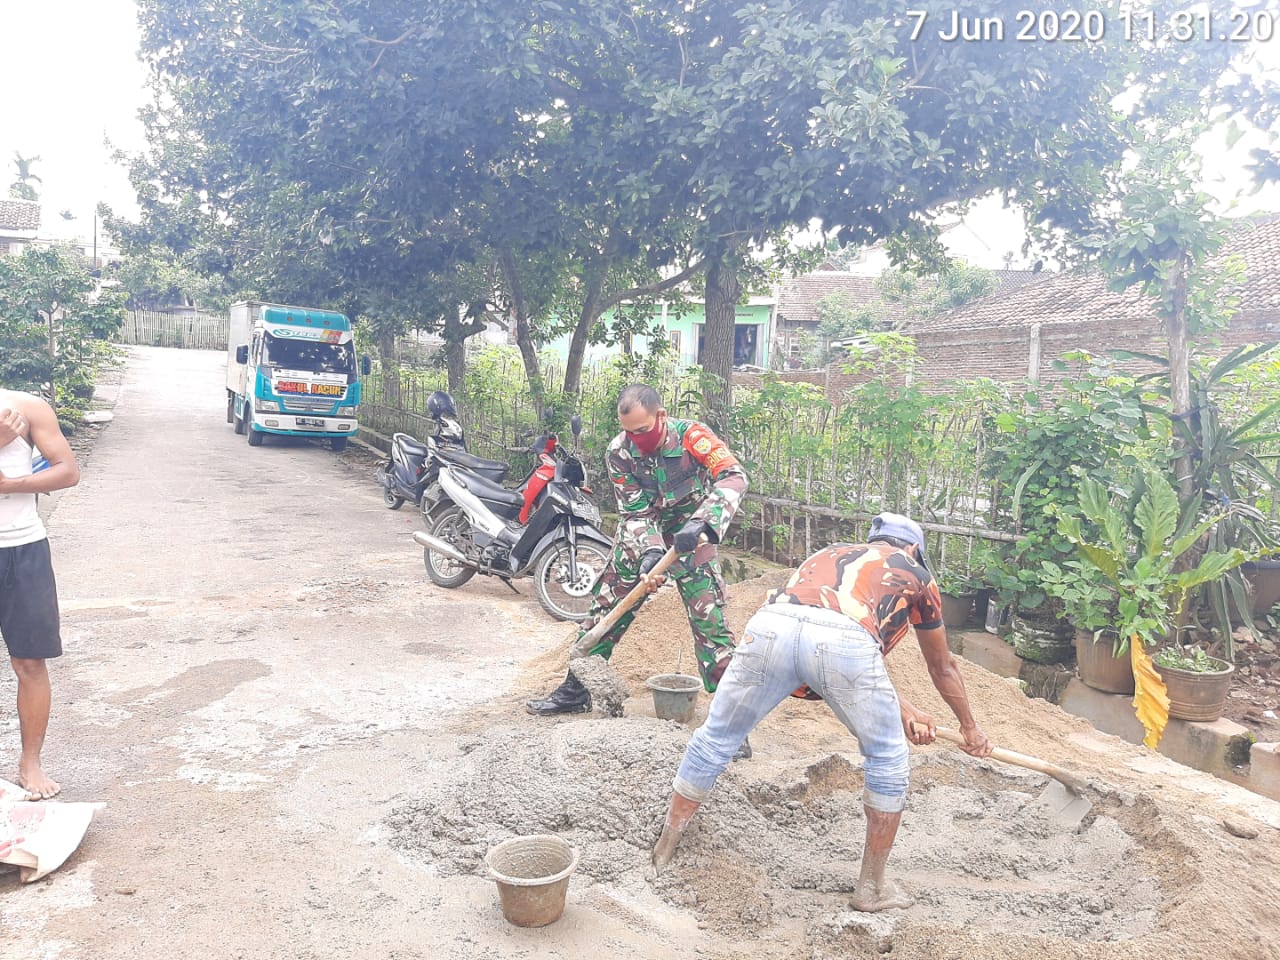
x: 1179, y: 363
x: 724, y: 287
x: 455, y: 351
x: 578, y: 342
x: 390, y: 368
x: 524, y: 335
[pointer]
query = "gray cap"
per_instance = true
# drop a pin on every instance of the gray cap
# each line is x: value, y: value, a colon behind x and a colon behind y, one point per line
x: 898, y: 527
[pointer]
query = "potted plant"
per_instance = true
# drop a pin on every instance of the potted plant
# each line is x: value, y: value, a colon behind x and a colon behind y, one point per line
x: 957, y: 597
x: 961, y: 582
x: 1102, y: 653
x: 1142, y: 544
x: 1197, y: 683
x: 1232, y: 458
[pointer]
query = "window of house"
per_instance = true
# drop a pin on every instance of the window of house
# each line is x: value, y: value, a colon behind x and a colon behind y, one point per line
x: 673, y: 336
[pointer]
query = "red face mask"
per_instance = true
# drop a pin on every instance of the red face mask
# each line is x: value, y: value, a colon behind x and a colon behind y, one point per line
x: 649, y: 441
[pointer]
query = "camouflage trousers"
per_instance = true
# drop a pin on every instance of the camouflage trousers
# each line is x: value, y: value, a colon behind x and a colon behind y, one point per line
x: 701, y: 588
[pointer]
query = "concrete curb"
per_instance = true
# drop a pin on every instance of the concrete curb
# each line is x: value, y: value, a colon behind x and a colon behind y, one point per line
x: 1222, y: 748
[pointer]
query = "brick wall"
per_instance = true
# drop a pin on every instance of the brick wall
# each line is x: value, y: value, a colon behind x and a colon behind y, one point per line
x: 1004, y: 354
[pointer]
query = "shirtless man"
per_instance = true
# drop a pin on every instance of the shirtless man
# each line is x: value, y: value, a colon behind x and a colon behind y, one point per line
x: 28, y: 595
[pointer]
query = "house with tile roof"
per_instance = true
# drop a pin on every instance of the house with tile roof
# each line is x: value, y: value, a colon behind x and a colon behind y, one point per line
x: 1018, y: 335
x: 800, y: 300
x: 19, y: 224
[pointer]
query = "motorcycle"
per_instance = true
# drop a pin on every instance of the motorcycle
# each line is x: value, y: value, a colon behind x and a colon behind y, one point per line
x: 412, y: 467
x: 478, y: 529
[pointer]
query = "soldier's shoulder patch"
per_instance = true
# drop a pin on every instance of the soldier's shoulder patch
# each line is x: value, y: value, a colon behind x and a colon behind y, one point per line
x: 708, y: 449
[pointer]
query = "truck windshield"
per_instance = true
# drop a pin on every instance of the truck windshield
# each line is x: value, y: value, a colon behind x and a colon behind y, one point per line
x: 308, y: 355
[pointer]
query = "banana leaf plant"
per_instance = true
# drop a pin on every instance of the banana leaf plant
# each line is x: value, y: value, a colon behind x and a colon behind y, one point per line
x: 1136, y: 543
x: 1232, y: 466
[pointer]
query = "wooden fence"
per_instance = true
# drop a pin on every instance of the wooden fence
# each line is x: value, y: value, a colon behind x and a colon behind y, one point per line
x: 818, y: 472
x: 153, y: 328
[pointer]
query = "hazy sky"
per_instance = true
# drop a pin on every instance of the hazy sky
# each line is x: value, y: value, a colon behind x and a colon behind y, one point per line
x: 73, y: 79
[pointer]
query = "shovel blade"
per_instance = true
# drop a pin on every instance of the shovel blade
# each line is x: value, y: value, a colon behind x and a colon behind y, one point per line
x: 1063, y: 809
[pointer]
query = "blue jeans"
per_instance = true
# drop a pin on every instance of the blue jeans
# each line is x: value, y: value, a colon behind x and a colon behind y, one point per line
x: 787, y: 645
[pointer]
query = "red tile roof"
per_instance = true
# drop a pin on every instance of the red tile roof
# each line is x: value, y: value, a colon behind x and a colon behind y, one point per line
x: 19, y: 215
x: 1082, y: 296
x: 799, y: 297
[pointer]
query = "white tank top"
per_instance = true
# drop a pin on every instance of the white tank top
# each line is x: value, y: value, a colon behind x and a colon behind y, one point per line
x: 19, y: 521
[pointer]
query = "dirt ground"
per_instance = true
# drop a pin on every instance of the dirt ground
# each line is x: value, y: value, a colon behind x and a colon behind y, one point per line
x: 306, y: 749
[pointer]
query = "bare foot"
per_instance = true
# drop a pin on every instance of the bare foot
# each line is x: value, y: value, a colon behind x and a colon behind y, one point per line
x: 37, y: 785
x: 872, y: 899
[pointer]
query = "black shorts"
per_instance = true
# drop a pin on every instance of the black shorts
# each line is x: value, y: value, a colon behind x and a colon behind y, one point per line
x: 29, y: 602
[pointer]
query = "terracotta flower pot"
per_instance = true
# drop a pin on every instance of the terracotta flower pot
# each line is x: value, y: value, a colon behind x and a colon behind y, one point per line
x: 1098, y: 668
x: 1264, y: 579
x: 1195, y: 695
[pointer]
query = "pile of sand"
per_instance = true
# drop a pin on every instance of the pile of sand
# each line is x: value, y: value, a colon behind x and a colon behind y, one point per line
x: 1151, y: 872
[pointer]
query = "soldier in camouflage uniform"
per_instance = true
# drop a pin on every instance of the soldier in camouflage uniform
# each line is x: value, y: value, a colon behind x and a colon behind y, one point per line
x: 675, y: 482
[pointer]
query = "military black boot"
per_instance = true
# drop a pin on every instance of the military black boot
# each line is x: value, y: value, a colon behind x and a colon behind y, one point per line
x: 570, y: 697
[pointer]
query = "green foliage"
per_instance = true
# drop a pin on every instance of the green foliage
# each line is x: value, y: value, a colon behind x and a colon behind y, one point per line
x: 1191, y: 659
x: 1094, y: 429
x: 22, y: 189
x: 1233, y: 449
x: 961, y: 569
x: 1092, y: 606
x: 54, y: 327
x: 1135, y: 543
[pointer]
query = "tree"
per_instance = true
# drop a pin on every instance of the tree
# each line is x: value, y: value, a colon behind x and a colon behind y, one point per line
x: 584, y: 150
x: 21, y: 189
x: 789, y: 112
x: 52, y: 321
x: 905, y: 297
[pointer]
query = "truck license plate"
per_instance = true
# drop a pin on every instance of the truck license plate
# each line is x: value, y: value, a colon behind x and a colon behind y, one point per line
x: 310, y: 422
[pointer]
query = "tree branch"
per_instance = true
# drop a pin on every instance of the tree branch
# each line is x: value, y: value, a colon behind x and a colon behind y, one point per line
x: 681, y: 277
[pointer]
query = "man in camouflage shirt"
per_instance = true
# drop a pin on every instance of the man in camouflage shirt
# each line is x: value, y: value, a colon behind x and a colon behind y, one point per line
x: 675, y: 482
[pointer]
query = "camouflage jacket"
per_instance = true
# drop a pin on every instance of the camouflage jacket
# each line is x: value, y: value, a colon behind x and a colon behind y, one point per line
x: 691, y: 474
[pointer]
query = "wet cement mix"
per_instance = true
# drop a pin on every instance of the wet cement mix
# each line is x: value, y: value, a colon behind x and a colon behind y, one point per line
x: 770, y: 860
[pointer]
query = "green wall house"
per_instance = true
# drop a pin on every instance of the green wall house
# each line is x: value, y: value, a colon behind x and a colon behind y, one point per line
x: 685, y: 331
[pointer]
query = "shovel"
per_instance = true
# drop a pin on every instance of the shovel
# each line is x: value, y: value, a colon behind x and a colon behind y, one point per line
x: 638, y: 592
x: 1064, y: 800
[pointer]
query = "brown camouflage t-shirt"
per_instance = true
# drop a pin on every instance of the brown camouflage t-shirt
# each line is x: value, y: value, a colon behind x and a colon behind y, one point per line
x: 877, y: 584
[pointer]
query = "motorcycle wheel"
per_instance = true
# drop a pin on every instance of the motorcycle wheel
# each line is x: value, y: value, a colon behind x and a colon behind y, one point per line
x: 388, y: 496
x: 561, y: 597
x: 452, y: 527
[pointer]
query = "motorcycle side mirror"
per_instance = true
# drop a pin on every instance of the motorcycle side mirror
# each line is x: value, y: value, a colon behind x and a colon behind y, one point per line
x: 575, y: 426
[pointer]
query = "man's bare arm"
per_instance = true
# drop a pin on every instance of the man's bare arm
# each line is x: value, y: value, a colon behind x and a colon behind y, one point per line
x: 42, y: 431
x: 945, y: 674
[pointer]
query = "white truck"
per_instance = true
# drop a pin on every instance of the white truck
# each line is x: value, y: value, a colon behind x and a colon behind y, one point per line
x: 292, y: 371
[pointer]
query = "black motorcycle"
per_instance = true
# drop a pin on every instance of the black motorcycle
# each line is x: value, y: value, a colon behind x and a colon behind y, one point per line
x: 479, y: 530
x: 413, y: 466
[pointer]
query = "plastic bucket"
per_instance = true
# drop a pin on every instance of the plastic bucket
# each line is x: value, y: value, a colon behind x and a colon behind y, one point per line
x: 675, y: 696
x: 532, y: 874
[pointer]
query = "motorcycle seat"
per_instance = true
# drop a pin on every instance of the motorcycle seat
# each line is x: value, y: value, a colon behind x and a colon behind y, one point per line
x: 413, y: 448
x: 492, y: 468
x: 486, y: 489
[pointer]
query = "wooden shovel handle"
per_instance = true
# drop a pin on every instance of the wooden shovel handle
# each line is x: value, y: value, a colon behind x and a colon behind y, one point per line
x: 637, y: 593
x: 1067, y: 779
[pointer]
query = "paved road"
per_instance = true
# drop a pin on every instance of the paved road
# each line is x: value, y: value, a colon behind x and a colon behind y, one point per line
x: 256, y: 669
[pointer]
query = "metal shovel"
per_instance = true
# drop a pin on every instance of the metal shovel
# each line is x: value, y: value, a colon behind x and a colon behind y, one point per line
x: 1064, y: 800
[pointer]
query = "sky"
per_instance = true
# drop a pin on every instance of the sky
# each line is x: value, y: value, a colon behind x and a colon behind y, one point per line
x: 75, y: 81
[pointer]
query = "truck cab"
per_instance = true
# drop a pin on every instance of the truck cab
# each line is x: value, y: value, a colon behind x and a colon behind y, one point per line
x: 292, y: 371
